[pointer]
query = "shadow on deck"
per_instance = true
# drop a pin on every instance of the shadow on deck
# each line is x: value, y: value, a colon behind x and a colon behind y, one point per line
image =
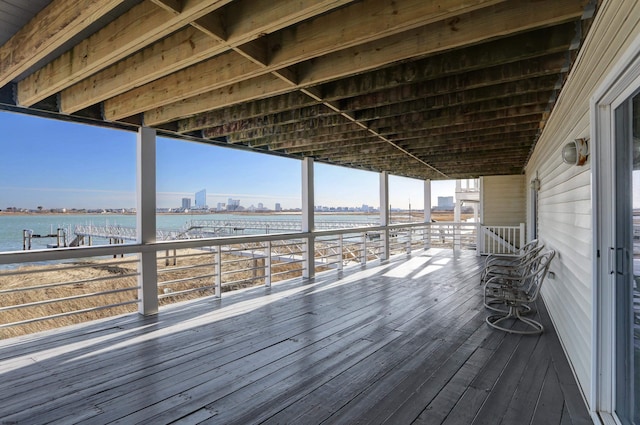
x: 401, y: 343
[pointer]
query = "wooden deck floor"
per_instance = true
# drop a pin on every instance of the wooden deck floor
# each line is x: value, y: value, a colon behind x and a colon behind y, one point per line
x: 398, y: 343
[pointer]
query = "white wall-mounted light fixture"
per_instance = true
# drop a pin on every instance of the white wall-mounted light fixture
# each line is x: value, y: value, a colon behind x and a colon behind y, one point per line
x: 576, y: 152
x: 535, y: 184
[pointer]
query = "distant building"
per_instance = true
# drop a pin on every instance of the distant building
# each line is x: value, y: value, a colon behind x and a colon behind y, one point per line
x: 201, y: 200
x: 278, y: 206
x: 221, y: 206
x: 186, y: 203
x: 445, y: 202
x: 233, y: 204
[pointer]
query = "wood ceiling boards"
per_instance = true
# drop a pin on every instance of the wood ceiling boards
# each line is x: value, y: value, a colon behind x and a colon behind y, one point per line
x: 424, y: 89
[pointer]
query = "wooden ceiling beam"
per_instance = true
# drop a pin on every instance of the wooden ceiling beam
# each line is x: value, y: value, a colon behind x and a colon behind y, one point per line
x: 302, y: 42
x: 398, y: 135
x: 166, y: 63
x: 368, y: 155
x: 363, y: 22
x: 473, y: 27
x: 256, y: 88
x: 533, y: 44
x: 50, y: 29
x: 411, y: 140
x: 451, y: 90
x: 401, y: 132
x: 501, y: 97
x: 488, y: 168
x: 466, y: 29
x: 448, y: 117
x: 184, y: 48
x: 375, y: 149
x: 520, y: 47
x: 275, y: 104
x: 426, y: 146
x: 273, y: 120
x: 173, y: 6
x: 302, y: 140
x: 395, y: 112
x: 452, y: 165
x: 500, y: 126
x: 257, y: 127
x: 140, y: 26
x: 336, y: 124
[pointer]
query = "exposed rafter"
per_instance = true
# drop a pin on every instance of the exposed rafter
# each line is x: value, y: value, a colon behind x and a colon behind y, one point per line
x: 423, y: 89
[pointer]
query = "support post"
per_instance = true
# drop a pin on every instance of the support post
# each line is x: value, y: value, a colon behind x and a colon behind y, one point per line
x: 457, y: 210
x: 384, y: 214
x: 308, y: 224
x: 146, y: 220
x: 427, y: 214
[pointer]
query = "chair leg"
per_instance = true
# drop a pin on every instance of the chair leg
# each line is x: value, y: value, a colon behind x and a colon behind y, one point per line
x: 498, y: 321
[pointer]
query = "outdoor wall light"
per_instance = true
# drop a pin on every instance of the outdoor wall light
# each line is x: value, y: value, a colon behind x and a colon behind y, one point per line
x: 576, y: 152
x: 535, y: 184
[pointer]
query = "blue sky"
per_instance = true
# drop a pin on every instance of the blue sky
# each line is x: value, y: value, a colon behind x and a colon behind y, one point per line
x: 59, y: 164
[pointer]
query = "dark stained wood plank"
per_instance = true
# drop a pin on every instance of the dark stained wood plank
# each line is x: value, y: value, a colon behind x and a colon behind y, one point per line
x: 573, y: 397
x: 384, y: 343
x: 551, y: 402
x: 524, y: 402
x: 389, y: 362
x: 316, y: 374
x: 509, y: 380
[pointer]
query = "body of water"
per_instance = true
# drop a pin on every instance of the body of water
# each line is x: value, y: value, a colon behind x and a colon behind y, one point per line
x: 12, y: 226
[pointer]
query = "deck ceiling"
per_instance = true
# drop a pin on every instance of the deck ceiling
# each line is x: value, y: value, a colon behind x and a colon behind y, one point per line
x: 425, y: 89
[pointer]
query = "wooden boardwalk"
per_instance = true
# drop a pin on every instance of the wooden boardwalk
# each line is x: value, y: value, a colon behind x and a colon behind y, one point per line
x: 398, y: 343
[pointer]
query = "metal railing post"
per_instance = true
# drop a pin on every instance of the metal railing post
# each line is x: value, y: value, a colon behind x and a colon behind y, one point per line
x: 218, y: 293
x: 267, y: 265
x: 340, y: 252
x: 457, y: 233
x: 363, y: 257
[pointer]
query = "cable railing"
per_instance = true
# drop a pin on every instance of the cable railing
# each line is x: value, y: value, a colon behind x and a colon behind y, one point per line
x: 48, y: 288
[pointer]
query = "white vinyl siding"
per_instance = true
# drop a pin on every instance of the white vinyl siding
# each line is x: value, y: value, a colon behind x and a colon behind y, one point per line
x: 503, y: 200
x: 564, y: 206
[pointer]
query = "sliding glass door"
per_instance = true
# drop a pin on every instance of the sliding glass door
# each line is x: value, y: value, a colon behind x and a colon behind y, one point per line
x: 627, y: 262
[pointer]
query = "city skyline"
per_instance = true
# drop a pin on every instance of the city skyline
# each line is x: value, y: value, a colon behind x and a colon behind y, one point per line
x: 59, y: 164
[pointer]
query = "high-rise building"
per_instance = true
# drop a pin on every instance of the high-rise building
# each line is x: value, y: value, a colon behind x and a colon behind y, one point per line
x: 186, y: 203
x: 233, y: 204
x: 445, y: 202
x: 201, y: 199
x: 278, y: 206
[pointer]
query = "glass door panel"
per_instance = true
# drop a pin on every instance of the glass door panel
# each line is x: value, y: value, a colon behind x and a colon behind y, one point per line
x: 627, y: 254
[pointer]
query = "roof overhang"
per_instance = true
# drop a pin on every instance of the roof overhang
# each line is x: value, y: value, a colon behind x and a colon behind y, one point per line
x: 431, y: 90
